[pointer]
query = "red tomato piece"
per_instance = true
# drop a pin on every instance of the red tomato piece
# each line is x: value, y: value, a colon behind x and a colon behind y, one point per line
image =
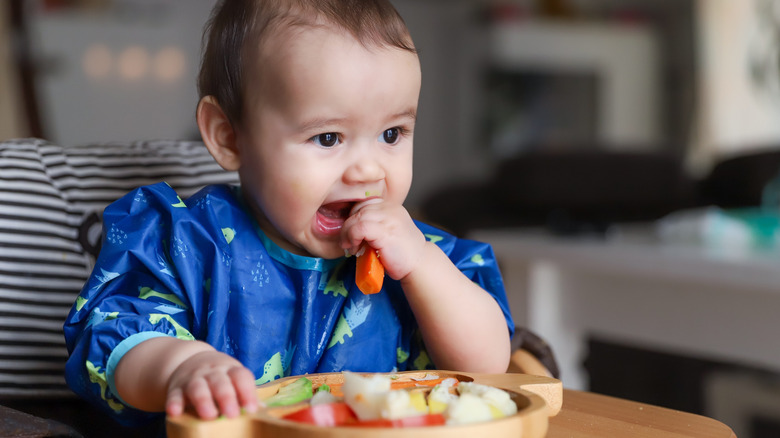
x: 328, y: 414
x: 416, y: 421
x: 340, y: 414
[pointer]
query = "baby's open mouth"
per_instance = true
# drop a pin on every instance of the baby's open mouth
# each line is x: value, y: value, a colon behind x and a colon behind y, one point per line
x: 331, y: 217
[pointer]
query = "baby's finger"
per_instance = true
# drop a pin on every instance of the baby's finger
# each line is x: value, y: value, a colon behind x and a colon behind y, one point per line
x: 351, y: 241
x: 244, y: 383
x: 174, y: 404
x: 199, y: 395
x: 359, y: 229
x: 357, y: 207
x: 224, y: 394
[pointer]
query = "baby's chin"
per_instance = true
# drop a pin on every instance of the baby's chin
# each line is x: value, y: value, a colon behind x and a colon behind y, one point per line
x: 314, y: 245
x: 330, y: 250
x: 308, y: 246
x: 334, y: 254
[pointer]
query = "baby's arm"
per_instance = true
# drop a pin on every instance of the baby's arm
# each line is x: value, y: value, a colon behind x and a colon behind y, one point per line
x: 462, y: 325
x: 167, y: 373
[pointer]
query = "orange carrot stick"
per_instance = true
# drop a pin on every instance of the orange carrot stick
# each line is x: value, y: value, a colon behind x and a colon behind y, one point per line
x: 416, y: 383
x: 369, y: 272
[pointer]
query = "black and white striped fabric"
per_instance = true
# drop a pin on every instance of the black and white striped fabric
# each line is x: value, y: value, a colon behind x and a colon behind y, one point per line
x: 51, y: 203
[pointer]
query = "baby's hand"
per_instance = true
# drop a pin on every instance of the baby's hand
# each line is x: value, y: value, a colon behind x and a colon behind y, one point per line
x: 387, y: 228
x: 213, y: 383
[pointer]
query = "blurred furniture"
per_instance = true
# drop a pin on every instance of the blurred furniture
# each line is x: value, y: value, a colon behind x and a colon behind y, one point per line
x: 707, y: 302
x: 532, y: 355
x: 51, y: 203
x: 739, y: 180
x: 576, y: 191
x: 575, y: 236
x: 17, y: 424
x: 569, y: 192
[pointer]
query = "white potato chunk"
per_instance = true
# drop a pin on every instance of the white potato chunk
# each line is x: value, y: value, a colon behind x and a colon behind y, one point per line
x: 323, y: 397
x: 468, y: 408
x: 498, y: 398
x: 365, y: 395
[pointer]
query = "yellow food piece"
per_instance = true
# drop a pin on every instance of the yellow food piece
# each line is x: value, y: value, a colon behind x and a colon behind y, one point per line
x: 417, y: 400
x: 436, y: 406
x: 441, y: 397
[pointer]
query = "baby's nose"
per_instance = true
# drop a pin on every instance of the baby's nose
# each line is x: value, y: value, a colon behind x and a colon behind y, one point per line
x: 366, y: 167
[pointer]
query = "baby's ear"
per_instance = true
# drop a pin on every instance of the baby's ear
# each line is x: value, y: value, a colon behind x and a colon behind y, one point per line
x: 218, y: 134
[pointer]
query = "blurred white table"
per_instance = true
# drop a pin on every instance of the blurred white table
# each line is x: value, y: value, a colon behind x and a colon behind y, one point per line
x: 716, y: 304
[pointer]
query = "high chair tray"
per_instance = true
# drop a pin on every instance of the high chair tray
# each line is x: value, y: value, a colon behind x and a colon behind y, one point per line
x: 537, y: 398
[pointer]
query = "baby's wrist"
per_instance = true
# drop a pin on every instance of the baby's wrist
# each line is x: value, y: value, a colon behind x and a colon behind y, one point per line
x: 420, y: 264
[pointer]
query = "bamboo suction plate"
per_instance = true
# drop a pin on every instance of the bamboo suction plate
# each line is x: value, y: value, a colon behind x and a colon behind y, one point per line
x: 537, y: 399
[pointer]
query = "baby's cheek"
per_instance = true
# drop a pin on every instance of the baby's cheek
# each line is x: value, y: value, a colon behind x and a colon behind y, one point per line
x: 296, y: 188
x: 298, y: 193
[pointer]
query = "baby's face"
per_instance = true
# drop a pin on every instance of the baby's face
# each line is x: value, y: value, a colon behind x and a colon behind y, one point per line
x: 328, y: 124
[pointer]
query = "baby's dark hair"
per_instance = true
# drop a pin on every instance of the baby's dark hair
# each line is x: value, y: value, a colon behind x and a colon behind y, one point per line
x: 237, y: 25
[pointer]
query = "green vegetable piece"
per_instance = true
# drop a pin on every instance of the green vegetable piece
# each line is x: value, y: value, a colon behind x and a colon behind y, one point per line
x: 324, y: 388
x: 295, y: 392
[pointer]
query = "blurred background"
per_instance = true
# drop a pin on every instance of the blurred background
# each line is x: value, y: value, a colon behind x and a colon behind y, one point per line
x: 621, y: 155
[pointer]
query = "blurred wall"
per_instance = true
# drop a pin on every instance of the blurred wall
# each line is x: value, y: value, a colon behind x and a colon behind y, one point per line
x: 739, y: 97
x: 458, y: 42
x: 11, y: 119
x: 118, y: 70
x: 86, y: 97
x: 451, y: 45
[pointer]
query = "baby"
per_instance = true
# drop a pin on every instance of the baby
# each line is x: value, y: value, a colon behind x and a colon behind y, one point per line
x: 191, y: 304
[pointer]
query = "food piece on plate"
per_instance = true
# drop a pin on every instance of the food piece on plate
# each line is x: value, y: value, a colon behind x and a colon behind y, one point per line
x: 495, y: 397
x: 339, y: 414
x: 369, y: 272
x: 373, y: 398
x: 323, y: 397
x: 364, y: 394
x: 330, y: 414
x: 429, y: 380
x: 295, y: 392
x: 441, y: 396
x: 416, y: 421
x: 468, y: 408
x: 373, y: 401
x: 399, y: 404
x: 418, y: 401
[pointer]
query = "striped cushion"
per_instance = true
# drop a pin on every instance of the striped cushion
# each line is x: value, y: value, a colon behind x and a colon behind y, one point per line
x: 51, y: 200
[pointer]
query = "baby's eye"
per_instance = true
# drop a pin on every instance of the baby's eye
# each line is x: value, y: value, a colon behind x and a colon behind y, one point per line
x: 390, y: 136
x: 328, y: 139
